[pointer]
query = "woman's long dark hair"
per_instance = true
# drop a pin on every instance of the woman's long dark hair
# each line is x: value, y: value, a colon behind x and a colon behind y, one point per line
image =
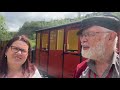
x: 3, y: 60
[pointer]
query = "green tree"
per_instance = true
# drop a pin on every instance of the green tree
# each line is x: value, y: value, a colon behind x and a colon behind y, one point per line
x: 3, y: 29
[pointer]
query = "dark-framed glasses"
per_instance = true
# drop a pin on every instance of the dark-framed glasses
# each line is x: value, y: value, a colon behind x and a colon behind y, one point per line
x: 16, y: 50
x: 90, y: 34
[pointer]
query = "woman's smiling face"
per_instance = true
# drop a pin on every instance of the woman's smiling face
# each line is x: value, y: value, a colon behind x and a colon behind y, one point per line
x: 17, y: 53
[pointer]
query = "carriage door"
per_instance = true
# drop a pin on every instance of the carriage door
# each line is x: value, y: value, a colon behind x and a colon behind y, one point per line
x: 71, y: 52
x: 44, y: 51
x: 56, y: 53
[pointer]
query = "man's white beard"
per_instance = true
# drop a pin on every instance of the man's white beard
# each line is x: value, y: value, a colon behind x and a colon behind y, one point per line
x: 95, y: 53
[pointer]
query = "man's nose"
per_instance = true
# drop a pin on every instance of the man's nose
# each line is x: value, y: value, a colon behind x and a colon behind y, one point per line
x: 84, y: 39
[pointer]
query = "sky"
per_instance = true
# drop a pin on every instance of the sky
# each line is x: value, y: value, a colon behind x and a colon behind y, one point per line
x: 15, y: 20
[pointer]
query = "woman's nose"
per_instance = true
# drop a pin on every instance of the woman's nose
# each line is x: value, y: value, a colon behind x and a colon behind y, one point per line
x: 19, y: 52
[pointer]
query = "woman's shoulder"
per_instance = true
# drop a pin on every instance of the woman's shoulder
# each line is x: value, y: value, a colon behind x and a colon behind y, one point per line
x: 35, y: 73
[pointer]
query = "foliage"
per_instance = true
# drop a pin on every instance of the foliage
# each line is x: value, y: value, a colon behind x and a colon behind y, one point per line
x: 3, y: 30
x: 33, y: 43
x: 29, y: 28
x: 4, y: 33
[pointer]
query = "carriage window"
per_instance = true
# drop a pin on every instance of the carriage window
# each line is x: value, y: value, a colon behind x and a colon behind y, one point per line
x: 72, y: 41
x: 60, y: 38
x: 45, y: 41
x: 38, y: 40
x: 53, y: 38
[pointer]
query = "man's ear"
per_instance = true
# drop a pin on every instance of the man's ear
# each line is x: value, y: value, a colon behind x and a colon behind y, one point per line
x: 112, y: 36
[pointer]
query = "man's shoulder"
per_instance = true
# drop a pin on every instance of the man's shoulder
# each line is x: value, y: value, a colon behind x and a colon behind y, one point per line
x: 82, y: 64
x: 80, y: 68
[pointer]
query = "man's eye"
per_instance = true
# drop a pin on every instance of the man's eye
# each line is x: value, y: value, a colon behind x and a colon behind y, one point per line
x: 91, y: 34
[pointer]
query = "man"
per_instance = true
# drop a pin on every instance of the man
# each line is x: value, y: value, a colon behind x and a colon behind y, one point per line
x: 98, y: 36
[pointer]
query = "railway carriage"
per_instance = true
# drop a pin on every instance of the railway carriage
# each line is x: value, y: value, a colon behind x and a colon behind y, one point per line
x: 58, y: 50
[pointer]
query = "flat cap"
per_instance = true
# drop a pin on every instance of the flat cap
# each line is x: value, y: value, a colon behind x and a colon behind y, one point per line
x: 109, y: 22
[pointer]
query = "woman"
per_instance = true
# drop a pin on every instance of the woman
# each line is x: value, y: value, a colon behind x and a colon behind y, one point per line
x: 16, y: 60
